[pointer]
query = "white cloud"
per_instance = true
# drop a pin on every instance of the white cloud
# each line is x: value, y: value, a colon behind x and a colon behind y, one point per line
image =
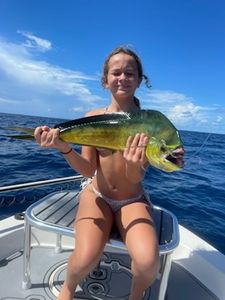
x: 219, y: 120
x: 28, y: 71
x: 7, y: 101
x: 160, y: 97
x: 35, y: 42
x: 176, y: 106
x: 79, y: 109
x: 183, y: 111
x: 24, y: 77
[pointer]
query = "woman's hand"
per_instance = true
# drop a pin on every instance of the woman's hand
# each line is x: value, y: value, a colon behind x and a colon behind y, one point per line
x: 134, y: 153
x: 49, y: 138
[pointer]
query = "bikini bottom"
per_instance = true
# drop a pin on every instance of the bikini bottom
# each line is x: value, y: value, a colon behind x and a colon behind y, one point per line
x: 115, y: 205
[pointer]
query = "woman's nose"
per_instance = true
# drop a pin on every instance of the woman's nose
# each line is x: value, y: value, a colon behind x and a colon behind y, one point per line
x: 123, y: 76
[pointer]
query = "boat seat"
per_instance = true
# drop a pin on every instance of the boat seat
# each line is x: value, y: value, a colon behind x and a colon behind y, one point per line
x: 56, y: 213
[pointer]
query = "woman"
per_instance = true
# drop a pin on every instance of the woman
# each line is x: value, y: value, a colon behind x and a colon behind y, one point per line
x: 115, y: 192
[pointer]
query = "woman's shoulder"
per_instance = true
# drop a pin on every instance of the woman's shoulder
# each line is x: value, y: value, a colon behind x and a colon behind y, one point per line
x: 97, y: 111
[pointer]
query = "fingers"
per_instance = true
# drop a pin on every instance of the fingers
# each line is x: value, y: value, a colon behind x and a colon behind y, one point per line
x: 140, y: 140
x: 143, y: 142
x: 38, y: 132
x: 178, y: 154
x: 135, y: 147
x: 46, y: 137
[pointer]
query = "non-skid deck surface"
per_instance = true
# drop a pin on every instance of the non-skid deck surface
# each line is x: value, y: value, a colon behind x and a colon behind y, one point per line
x: 114, y: 278
x: 110, y: 281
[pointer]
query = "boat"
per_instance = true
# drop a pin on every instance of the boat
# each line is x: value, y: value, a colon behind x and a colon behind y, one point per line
x: 34, y: 252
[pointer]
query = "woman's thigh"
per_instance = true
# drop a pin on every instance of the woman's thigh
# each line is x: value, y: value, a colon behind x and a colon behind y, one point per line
x: 137, y: 229
x: 93, y: 223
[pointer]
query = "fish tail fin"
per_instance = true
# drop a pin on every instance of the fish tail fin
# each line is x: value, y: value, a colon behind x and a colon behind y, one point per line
x: 28, y: 133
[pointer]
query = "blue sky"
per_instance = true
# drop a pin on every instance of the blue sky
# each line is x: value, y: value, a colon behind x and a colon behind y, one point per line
x: 52, y: 52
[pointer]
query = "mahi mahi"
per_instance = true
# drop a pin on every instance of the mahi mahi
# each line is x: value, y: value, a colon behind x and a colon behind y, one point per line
x: 110, y: 131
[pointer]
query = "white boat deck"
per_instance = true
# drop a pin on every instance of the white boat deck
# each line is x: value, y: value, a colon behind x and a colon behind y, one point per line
x: 48, y: 270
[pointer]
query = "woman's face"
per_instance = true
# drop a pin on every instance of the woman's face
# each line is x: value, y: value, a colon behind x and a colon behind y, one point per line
x: 122, y: 78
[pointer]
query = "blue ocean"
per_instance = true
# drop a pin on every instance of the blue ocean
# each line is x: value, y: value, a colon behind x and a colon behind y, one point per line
x: 196, y: 194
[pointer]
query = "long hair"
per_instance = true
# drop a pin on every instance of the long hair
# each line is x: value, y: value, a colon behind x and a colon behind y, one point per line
x: 141, y: 75
x: 130, y: 52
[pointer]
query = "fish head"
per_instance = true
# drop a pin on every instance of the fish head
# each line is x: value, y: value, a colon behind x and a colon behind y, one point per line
x: 166, y: 154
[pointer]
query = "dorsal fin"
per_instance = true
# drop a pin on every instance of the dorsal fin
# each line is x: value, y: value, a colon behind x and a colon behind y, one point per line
x: 93, y: 119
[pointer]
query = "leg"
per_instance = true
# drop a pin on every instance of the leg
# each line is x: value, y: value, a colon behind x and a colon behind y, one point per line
x: 92, y: 226
x: 137, y: 230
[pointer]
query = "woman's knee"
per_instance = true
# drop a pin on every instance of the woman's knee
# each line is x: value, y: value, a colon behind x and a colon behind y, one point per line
x: 83, y: 263
x: 147, y: 264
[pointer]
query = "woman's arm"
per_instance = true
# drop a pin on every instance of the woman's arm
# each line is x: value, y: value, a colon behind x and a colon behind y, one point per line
x: 84, y: 163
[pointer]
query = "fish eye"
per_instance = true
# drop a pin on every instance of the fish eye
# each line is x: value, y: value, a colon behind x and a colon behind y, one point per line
x: 163, y: 148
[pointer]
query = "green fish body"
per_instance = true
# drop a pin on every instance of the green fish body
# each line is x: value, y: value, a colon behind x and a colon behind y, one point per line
x: 111, y: 131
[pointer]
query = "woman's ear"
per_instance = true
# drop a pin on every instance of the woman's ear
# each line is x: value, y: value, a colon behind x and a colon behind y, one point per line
x: 105, y: 85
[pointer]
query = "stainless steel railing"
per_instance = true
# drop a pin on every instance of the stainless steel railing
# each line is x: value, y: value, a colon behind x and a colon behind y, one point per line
x: 40, y: 183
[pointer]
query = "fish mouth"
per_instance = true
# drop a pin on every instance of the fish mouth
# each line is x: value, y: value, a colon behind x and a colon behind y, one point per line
x: 176, y: 157
x: 165, y: 159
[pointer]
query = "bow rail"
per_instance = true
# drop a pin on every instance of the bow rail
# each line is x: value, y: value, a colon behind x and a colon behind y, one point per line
x: 39, y: 183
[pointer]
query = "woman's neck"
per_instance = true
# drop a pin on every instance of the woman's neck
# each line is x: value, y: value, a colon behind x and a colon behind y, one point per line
x: 125, y: 105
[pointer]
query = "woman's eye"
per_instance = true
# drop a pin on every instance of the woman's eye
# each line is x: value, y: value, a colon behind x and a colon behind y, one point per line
x: 116, y: 73
x: 129, y: 74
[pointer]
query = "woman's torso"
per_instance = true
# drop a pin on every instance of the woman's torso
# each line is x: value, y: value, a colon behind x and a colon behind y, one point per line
x: 110, y: 177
